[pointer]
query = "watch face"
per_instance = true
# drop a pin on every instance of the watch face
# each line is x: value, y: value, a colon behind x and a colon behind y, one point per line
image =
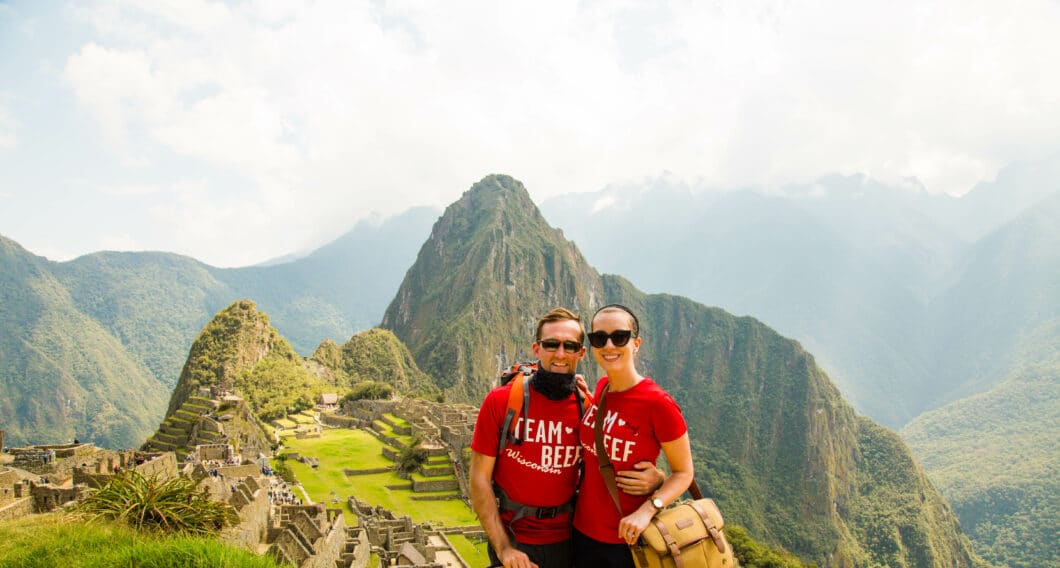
x: 657, y: 503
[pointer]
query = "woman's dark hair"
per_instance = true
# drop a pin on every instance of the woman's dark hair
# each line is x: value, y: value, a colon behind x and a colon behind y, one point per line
x: 620, y: 308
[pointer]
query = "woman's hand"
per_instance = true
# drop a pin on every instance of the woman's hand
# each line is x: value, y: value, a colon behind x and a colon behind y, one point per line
x: 630, y: 527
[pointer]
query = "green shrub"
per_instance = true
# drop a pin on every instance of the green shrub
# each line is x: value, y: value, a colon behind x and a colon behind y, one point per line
x: 411, y: 457
x: 751, y: 554
x: 174, y: 505
x: 370, y: 390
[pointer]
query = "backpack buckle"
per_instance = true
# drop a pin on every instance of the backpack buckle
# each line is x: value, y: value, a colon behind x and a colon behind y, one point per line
x: 547, y: 512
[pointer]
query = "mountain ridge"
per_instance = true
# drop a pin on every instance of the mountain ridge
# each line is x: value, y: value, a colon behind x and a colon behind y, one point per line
x: 756, y: 403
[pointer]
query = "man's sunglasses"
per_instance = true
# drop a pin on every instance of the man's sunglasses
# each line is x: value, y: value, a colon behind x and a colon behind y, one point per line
x: 553, y: 344
x: 618, y: 338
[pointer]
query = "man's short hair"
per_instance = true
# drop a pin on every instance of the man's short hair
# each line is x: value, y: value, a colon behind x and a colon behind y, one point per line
x: 560, y: 314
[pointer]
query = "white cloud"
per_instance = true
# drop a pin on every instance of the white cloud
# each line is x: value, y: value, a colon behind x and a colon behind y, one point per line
x: 131, y: 190
x: 332, y: 110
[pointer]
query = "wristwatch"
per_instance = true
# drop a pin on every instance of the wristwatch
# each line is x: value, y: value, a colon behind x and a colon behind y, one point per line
x: 658, y: 504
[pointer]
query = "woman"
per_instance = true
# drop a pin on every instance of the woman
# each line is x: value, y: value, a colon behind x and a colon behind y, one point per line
x: 640, y: 419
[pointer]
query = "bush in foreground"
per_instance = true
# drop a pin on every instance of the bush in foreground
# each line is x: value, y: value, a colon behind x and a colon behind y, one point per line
x: 174, y: 505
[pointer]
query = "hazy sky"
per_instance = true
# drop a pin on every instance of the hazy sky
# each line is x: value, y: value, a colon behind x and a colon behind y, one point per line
x: 236, y: 132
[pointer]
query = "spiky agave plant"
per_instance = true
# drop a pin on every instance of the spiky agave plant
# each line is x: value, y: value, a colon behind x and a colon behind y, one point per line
x: 173, y: 505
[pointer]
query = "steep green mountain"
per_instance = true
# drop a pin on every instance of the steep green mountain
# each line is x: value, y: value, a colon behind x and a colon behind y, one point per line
x: 151, y: 306
x: 784, y: 259
x: 478, y: 283
x: 154, y: 303
x: 238, y: 353
x: 878, y: 284
x: 773, y: 440
x: 374, y: 355
x: 63, y: 375
x: 995, y: 456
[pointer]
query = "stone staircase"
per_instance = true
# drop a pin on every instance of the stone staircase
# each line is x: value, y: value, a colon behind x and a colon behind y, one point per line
x: 188, y: 427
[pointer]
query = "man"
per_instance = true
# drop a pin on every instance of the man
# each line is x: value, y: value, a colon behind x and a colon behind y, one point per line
x: 527, y: 518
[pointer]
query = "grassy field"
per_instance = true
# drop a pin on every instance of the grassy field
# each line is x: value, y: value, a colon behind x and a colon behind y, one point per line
x: 474, y: 553
x: 46, y: 541
x: 338, y: 449
x: 387, y: 429
x: 302, y: 418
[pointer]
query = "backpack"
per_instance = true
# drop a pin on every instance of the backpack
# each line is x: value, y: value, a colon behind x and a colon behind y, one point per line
x: 519, y: 402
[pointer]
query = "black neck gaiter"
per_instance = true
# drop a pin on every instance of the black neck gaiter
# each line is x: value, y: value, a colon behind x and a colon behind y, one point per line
x: 555, y: 386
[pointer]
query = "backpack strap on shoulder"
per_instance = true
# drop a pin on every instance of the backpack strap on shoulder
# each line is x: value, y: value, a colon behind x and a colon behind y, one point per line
x: 518, y: 405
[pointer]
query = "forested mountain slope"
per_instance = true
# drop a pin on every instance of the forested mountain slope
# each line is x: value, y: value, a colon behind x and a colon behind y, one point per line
x: 773, y: 439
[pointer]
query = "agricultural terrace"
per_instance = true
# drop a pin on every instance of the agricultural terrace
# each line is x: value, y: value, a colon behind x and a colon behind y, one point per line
x: 341, y: 449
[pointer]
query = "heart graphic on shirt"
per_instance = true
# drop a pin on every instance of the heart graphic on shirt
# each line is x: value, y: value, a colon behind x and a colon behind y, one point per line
x: 569, y: 429
x: 621, y: 422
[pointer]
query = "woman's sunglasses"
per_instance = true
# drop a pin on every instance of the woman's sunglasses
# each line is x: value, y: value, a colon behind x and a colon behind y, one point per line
x: 618, y: 338
x: 553, y: 344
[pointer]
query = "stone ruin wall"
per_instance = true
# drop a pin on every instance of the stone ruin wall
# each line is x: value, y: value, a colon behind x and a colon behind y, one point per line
x: 15, y: 498
x: 309, y: 536
x: 106, y: 463
x: 388, y: 533
x: 249, y: 497
x: 8, y: 479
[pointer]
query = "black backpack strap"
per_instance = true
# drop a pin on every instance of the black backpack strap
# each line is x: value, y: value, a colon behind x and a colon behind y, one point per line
x: 526, y: 407
x: 505, y: 503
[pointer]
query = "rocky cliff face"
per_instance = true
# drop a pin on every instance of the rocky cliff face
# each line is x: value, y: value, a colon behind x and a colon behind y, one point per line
x: 490, y: 268
x: 773, y: 440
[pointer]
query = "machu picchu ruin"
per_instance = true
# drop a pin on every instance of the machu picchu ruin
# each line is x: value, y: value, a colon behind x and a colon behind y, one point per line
x: 214, y: 439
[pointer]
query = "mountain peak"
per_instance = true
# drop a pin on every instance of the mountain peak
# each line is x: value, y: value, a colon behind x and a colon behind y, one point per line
x: 491, y: 266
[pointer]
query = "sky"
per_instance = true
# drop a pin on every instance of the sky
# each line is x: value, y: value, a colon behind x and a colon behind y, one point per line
x: 236, y: 132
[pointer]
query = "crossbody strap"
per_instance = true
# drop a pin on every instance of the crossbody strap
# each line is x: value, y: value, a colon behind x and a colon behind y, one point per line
x: 607, y: 469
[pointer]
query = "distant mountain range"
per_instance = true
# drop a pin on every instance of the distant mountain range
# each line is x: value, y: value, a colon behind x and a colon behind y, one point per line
x: 910, y: 302
x: 92, y: 347
x: 773, y: 439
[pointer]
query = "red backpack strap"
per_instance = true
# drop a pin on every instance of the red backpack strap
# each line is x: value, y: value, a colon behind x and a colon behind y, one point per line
x: 584, y: 398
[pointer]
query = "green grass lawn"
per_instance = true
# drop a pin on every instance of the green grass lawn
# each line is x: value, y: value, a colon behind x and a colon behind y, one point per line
x: 387, y: 429
x: 397, y: 420
x: 338, y: 449
x: 286, y: 423
x: 302, y: 418
x: 474, y: 553
x: 46, y: 541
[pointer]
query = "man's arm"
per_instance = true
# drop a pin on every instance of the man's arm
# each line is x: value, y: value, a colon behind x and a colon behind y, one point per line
x: 484, y: 502
x: 644, y: 479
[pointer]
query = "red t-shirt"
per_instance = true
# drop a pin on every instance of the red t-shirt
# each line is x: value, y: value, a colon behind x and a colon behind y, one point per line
x: 540, y: 472
x: 638, y: 421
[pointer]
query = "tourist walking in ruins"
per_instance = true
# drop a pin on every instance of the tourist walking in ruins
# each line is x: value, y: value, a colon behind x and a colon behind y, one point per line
x: 523, y: 493
x: 639, y: 420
